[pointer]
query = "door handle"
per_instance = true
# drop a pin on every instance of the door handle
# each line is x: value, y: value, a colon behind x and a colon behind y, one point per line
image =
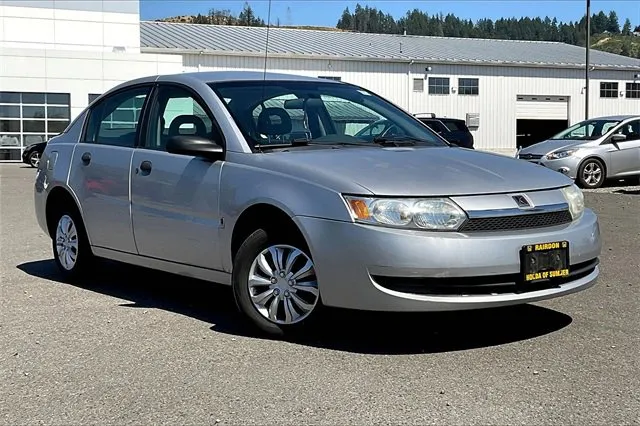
x: 146, y: 166
x: 86, y: 158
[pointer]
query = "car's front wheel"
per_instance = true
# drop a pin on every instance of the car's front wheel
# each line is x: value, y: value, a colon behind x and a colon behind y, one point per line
x: 275, y: 283
x: 591, y: 174
x: 71, y: 250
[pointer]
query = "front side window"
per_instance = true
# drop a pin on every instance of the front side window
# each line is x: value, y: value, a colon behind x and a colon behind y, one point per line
x: 587, y: 130
x: 115, y: 120
x: 631, y: 130
x: 285, y: 112
x: 177, y: 112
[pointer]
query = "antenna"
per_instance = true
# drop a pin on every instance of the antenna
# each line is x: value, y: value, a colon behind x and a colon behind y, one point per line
x: 266, y: 47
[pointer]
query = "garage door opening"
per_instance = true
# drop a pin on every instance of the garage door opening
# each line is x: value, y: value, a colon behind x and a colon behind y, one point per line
x: 540, y: 117
x: 530, y: 132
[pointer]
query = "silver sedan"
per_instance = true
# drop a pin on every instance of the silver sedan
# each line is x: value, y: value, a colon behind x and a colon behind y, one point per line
x: 592, y: 151
x: 258, y: 181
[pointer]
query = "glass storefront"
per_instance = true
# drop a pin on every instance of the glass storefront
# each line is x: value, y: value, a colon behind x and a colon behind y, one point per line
x: 30, y: 117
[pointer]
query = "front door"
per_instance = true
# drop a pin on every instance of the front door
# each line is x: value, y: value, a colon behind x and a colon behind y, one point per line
x: 100, y: 168
x: 625, y: 155
x: 175, y: 197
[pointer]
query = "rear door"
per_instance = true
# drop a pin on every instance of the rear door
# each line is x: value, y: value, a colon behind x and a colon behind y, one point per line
x: 100, y: 167
x: 175, y: 197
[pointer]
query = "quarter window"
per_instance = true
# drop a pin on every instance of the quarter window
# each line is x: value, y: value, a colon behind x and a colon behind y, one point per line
x: 114, y: 121
x: 608, y: 90
x: 438, y: 85
x: 178, y: 112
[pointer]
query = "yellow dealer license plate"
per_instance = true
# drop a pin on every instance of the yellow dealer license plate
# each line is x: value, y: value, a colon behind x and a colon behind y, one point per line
x: 545, y: 261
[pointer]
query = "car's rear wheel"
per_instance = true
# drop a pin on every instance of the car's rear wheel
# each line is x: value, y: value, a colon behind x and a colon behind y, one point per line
x: 275, y: 284
x: 71, y: 250
x: 591, y: 174
x: 34, y: 159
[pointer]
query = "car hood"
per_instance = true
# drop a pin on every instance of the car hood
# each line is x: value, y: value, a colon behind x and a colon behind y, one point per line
x: 411, y: 171
x: 547, y: 146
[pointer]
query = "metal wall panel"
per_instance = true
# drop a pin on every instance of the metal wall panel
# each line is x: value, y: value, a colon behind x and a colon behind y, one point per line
x: 496, y: 101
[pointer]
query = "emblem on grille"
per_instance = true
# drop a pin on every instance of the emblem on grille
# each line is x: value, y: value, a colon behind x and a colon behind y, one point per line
x: 522, y: 201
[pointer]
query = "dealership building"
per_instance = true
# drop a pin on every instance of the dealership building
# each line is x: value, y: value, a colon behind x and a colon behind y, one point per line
x: 56, y: 56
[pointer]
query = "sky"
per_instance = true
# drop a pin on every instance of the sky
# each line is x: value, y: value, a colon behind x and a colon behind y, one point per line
x: 327, y: 12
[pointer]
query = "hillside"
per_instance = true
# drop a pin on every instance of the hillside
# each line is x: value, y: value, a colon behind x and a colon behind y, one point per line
x: 618, y: 44
x: 606, y: 32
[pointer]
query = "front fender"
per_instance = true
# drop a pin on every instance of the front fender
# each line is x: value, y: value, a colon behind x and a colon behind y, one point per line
x: 243, y: 186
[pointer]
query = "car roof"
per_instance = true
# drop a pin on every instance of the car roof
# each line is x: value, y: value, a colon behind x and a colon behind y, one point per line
x: 616, y: 117
x: 222, y: 76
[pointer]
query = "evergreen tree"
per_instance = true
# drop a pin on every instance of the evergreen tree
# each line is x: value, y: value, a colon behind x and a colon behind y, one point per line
x: 614, y: 25
x: 626, y: 29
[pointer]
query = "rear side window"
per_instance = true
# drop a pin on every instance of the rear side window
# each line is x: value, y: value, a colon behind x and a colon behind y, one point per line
x: 435, y: 125
x: 456, y: 126
x: 115, y: 120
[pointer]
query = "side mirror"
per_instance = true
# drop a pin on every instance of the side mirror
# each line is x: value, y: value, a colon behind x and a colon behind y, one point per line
x: 196, y: 146
x: 618, y: 137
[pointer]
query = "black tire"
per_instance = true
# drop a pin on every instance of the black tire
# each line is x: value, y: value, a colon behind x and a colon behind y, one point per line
x: 250, y: 249
x: 32, y: 157
x: 84, y: 257
x: 591, y: 164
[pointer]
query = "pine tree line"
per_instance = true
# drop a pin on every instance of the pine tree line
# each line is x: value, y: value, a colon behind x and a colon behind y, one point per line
x: 416, y: 22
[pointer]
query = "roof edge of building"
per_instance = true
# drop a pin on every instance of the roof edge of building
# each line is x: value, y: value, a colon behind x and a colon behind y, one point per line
x: 408, y: 60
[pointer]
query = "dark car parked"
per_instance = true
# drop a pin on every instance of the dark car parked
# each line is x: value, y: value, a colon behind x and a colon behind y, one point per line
x: 32, y: 154
x: 452, y: 129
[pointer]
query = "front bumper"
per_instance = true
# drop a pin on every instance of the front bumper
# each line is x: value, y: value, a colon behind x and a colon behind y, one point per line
x: 568, y: 166
x: 381, y: 269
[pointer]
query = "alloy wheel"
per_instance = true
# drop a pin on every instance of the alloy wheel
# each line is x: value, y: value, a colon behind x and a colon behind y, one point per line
x: 592, y: 173
x: 282, y: 284
x: 67, y: 242
x: 34, y: 160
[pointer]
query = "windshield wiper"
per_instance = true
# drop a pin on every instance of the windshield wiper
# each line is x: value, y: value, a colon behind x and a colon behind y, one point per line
x: 401, y: 140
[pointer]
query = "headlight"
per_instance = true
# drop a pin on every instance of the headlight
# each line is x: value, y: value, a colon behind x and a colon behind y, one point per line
x: 575, y: 199
x: 561, y: 154
x: 434, y: 214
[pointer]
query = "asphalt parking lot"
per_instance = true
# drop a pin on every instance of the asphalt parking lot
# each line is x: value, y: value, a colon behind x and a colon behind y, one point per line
x: 133, y: 346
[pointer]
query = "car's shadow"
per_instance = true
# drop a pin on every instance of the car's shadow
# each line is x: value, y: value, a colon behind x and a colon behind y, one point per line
x: 361, y: 332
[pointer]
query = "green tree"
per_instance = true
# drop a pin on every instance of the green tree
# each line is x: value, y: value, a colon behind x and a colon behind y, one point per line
x: 626, y: 48
x: 614, y: 24
x: 346, y: 21
x: 626, y: 29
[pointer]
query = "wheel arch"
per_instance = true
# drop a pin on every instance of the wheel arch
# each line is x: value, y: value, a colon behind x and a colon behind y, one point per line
x: 594, y: 157
x: 59, y: 196
x: 267, y: 216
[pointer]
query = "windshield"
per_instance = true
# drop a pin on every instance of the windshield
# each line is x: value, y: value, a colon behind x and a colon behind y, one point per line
x: 276, y: 113
x: 587, y: 130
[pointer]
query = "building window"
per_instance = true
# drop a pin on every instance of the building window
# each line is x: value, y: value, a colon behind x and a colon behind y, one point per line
x: 633, y: 90
x: 468, y: 86
x: 93, y: 97
x: 608, y: 90
x: 438, y: 85
x: 27, y: 118
x: 331, y: 78
x: 418, y: 84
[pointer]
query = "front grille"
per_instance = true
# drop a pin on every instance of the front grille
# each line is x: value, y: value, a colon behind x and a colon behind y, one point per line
x: 530, y: 156
x: 524, y: 221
